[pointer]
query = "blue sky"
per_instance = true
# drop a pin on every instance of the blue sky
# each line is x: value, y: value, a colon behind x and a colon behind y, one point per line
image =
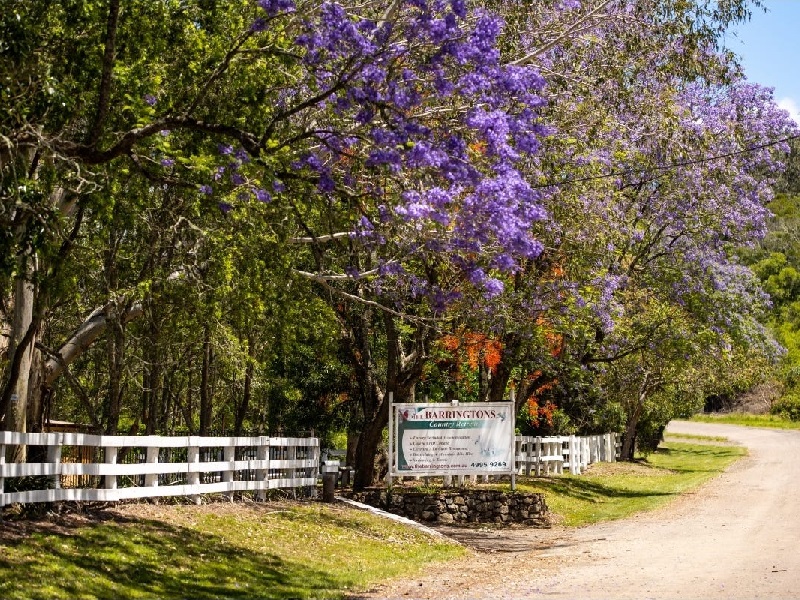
x: 769, y: 46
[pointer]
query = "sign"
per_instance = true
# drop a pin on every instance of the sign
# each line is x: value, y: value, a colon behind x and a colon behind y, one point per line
x: 445, y: 439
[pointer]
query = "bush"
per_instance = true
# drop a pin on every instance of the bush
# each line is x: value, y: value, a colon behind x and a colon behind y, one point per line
x: 788, y: 406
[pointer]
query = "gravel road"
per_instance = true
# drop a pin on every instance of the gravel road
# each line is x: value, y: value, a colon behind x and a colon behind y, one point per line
x: 737, y: 537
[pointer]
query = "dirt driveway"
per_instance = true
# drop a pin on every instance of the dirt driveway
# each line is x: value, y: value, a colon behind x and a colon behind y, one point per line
x: 738, y: 537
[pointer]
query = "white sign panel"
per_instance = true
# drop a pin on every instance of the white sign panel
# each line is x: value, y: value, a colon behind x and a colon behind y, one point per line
x: 444, y: 439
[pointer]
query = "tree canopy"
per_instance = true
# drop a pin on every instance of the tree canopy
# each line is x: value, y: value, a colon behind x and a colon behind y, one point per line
x: 233, y: 215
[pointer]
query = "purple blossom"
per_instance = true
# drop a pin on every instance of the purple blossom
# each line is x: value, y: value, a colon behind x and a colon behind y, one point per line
x: 167, y: 162
x: 263, y: 195
x: 150, y: 99
x: 492, y: 288
x: 206, y: 189
x: 273, y: 7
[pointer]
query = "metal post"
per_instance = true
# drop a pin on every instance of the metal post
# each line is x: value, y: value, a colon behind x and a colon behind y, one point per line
x: 328, y: 486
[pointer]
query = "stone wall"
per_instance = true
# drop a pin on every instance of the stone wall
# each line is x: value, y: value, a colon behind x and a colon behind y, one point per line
x: 461, y: 506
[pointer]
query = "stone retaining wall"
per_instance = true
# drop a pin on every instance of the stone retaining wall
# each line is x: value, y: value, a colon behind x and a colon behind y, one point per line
x: 460, y: 506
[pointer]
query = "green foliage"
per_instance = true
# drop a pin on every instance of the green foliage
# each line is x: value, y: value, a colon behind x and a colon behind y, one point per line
x: 788, y: 406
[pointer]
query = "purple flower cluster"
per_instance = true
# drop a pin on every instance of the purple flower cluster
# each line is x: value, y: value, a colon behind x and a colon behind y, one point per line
x: 422, y: 103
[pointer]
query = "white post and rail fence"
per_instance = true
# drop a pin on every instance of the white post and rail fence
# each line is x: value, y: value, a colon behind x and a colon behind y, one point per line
x: 85, y: 467
x: 100, y: 468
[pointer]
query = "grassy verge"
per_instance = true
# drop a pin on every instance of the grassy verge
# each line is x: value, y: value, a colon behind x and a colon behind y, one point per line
x: 617, y: 490
x: 291, y: 550
x: 217, y: 551
x: 771, y: 421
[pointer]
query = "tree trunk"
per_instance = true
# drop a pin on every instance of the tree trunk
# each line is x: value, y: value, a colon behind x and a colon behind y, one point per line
x: 205, y: 388
x: 37, y: 394
x: 367, y: 447
x: 115, y: 350
x: 502, y: 374
x: 629, y: 437
x: 21, y: 353
x: 151, y: 380
x: 242, y: 408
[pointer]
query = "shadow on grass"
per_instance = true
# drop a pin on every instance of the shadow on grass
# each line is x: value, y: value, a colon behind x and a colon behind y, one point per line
x: 690, y: 459
x: 151, y: 559
x: 585, y: 489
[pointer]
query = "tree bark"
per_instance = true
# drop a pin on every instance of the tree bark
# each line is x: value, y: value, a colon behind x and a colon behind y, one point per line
x: 205, y: 387
x: 87, y: 333
x: 367, y: 447
x: 151, y: 379
x: 402, y: 373
x: 629, y: 436
x: 21, y: 351
x: 115, y: 353
x: 242, y: 408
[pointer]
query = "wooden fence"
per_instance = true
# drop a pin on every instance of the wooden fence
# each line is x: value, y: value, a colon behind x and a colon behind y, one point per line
x: 547, y: 455
x: 85, y: 467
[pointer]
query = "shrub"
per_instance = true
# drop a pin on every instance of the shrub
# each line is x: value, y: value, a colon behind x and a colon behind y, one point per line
x: 788, y: 406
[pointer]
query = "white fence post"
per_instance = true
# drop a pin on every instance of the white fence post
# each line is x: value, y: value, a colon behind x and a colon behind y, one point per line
x: 2, y: 472
x: 193, y: 476
x: 227, y: 475
x: 112, y: 453
x: 291, y: 455
x: 54, y: 457
x: 151, y: 479
x: 262, y: 475
x: 528, y: 455
x: 580, y: 446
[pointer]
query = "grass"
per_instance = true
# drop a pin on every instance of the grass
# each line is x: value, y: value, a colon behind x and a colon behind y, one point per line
x: 302, y: 551
x: 617, y: 490
x: 748, y: 420
x: 298, y: 550
x: 669, y: 436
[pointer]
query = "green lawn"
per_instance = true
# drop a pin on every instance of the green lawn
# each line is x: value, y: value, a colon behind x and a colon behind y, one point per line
x: 223, y: 551
x: 297, y: 550
x: 617, y: 490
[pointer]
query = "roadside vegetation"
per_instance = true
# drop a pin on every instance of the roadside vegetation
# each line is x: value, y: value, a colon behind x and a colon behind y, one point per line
x: 297, y: 550
x: 617, y: 490
x: 748, y: 420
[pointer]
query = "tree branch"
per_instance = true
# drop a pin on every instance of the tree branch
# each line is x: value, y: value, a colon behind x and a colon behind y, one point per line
x: 108, y: 70
x: 570, y: 30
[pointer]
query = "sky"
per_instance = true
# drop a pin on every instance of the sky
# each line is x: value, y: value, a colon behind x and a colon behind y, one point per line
x: 769, y: 47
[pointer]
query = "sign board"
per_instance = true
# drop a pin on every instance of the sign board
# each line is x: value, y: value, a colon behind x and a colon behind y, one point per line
x: 447, y: 439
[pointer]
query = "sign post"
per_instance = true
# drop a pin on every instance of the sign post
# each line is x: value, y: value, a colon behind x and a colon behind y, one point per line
x: 451, y: 439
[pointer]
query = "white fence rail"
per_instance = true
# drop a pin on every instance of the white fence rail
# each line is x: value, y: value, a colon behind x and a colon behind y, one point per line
x: 548, y: 455
x: 84, y: 467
